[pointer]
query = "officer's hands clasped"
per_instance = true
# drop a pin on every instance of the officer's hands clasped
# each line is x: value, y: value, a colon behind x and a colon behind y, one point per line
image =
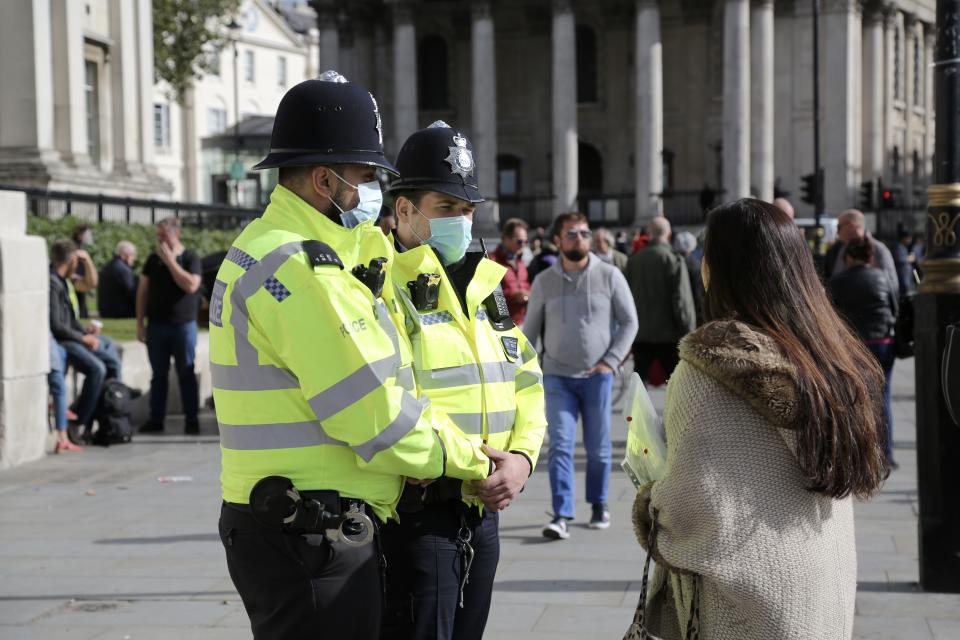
x: 502, y: 486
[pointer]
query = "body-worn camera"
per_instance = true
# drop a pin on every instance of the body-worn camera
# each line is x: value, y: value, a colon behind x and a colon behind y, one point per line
x: 373, y: 276
x: 425, y: 291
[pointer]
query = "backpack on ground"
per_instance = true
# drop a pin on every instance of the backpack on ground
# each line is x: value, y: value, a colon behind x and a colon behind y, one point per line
x: 113, y: 415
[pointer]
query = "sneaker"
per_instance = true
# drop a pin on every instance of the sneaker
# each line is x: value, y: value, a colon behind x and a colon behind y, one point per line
x: 600, y: 518
x: 557, y: 529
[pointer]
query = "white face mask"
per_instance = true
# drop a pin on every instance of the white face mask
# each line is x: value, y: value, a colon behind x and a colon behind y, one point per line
x: 368, y: 207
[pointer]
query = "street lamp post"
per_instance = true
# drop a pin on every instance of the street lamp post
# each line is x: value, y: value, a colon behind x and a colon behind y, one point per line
x: 936, y: 305
x: 235, y: 169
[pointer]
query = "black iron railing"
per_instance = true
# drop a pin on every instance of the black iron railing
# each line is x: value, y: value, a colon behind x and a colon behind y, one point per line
x: 104, y: 208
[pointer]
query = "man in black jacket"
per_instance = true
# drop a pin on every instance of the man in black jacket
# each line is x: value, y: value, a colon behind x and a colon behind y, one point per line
x: 117, y: 293
x: 93, y: 355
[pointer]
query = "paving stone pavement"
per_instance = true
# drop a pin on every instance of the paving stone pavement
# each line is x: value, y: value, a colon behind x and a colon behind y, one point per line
x: 93, y: 546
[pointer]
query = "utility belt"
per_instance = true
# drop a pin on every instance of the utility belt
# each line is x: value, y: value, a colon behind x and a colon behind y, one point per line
x: 276, y: 503
x: 441, y: 491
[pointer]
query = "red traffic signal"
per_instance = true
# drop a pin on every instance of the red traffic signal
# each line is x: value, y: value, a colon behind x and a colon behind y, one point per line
x: 887, y: 195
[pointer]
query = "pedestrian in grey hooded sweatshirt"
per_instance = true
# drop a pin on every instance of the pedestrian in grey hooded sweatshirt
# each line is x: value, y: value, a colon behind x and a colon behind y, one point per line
x: 582, y: 312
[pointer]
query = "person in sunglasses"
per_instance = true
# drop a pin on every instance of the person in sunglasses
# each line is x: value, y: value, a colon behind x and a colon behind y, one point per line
x: 582, y: 312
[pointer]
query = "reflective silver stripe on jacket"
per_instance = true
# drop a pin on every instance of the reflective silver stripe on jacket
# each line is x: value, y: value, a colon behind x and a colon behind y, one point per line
x: 527, y: 379
x: 282, y: 435
x: 354, y: 387
x: 467, y: 374
x: 410, y: 411
x: 472, y: 423
x: 405, y: 378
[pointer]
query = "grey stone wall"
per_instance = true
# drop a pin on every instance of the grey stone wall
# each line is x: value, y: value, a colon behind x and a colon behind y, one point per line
x: 24, y: 327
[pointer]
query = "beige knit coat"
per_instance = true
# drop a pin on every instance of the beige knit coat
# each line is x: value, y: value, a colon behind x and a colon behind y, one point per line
x: 776, y: 561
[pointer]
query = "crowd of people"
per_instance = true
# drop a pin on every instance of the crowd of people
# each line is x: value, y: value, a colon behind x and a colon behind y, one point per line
x: 164, y: 299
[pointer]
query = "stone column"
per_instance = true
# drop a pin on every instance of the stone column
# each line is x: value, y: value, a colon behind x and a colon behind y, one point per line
x: 841, y: 103
x: 909, y: 76
x: 564, y: 92
x: 761, y: 106
x: 125, y: 89
x: 70, y: 109
x: 890, y: 17
x: 145, y: 80
x: 404, y: 74
x: 484, y: 111
x: 929, y: 42
x: 26, y: 112
x: 24, y: 344
x: 311, y: 68
x: 874, y: 96
x: 736, y: 100
x: 649, y: 110
x: 363, y: 63
x: 329, y: 35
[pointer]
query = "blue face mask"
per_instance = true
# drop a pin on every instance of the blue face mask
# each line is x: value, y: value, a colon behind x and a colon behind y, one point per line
x: 449, y: 236
x: 368, y: 208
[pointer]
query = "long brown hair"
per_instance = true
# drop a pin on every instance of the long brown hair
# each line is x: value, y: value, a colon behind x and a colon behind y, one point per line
x: 761, y: 273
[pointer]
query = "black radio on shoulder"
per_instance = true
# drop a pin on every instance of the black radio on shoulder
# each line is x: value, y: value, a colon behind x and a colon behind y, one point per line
x: 497, y: 310
x: 425, y: 291
x: 373, y: 276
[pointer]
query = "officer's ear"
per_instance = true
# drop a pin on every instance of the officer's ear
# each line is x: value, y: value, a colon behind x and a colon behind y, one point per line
x: 403, y: 208
x: 321, y: 181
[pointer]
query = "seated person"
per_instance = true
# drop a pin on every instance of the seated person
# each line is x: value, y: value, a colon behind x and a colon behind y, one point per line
x: 117, y: 293
x: 93, y: 355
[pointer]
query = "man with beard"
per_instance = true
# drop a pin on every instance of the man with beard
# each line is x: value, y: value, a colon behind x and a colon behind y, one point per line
x: 582, y: 311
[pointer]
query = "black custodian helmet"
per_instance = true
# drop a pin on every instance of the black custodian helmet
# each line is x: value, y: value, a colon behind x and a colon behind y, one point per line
x: 438, y: 158
x: 327, y: 120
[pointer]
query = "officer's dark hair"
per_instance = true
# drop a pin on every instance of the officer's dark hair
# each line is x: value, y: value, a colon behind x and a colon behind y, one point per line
x: 839, y: 424
x: 860, y: 249
x: 510, y: 226
x: 413, y: 195
x: 565, y: 218
x: 61, y: 252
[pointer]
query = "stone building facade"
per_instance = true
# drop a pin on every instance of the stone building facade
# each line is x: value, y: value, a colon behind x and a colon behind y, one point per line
x: 75, y: 108
x: 626, y: 108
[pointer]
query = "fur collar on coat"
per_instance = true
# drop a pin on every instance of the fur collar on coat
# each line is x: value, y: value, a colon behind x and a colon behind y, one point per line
x: 748, y: 363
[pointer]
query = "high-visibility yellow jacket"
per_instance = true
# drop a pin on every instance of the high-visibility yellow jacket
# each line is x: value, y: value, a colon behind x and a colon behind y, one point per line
x: 488, y: 381
x: 305, y: 363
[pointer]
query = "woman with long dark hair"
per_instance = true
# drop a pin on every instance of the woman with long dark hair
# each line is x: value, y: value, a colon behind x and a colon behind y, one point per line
x: 774, y: 422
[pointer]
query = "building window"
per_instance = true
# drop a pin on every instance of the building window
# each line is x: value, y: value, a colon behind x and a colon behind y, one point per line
x: 432, y: 73
x: 282, y: 72
x: 508, y: 176
x: 895, y: 161
x: 917, y: 72
x: 248, y: 66
x: 216, y: 120
x: 214, y: 62
x: 897, y: 66
x: 586, y: 64
x: 667, y: 168
x: 917, y: 168
x: 92, y: 90
x: 161, y: 125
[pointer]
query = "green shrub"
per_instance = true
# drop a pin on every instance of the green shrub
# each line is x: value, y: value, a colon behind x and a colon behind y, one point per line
x: 106, y: 235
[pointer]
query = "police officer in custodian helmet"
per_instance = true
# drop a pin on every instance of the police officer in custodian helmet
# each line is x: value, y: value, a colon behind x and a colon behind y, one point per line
x: 474, y: 365
x: 318, y: 425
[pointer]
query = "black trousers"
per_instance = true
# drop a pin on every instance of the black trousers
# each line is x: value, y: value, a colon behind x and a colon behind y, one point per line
x: 424, y: 569
x: 294, y: 590
x: 644, y: 353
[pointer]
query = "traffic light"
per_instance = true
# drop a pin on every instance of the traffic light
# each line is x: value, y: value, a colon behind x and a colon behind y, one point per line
x: 808, y: 188
x: 867, y: 202
x: 890, y: 197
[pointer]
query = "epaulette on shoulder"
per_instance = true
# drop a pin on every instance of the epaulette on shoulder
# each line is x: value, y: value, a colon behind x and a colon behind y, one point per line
x: 320, y: 253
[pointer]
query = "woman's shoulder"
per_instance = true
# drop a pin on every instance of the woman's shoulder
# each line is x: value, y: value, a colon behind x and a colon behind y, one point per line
x: 747, y: 363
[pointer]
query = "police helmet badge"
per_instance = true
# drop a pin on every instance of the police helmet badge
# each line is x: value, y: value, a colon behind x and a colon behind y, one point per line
x: 460, y: 158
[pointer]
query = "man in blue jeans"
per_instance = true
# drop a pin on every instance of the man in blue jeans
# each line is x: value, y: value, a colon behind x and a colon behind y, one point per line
x: 93, y: 355
x: 168, y: 301
x: 582, y: 312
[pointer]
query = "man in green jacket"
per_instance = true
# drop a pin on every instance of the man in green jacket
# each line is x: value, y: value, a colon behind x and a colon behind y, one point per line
x: 661, y: 291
